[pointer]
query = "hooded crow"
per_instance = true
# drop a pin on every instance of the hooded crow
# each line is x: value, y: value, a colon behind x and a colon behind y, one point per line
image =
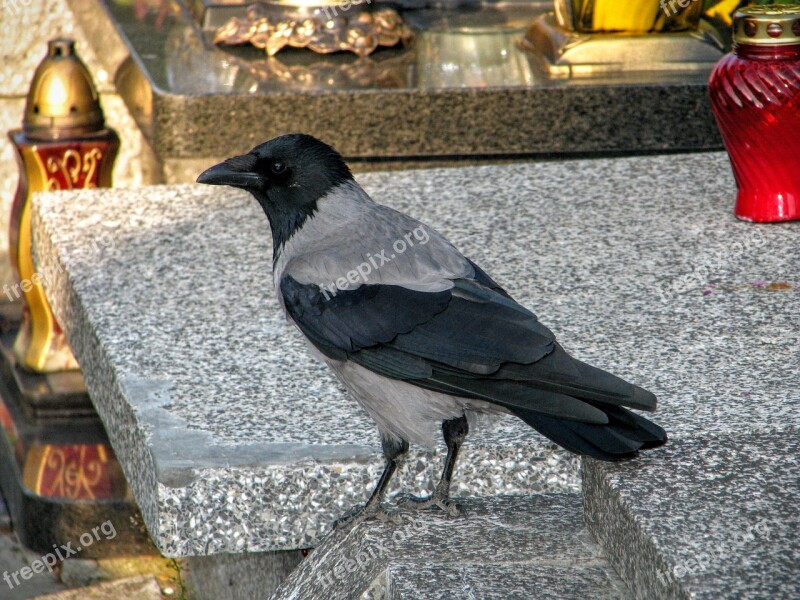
x: 418, y: 333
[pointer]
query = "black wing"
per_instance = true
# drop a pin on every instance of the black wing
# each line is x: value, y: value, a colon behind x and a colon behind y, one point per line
x: 475, y: 342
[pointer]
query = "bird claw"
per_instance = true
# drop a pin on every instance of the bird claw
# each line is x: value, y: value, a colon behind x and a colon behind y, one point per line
x: 351, y: 519
x: 392, y: 517
x: 446, y: 505
x: 452, y: 509
x: 360, y: 514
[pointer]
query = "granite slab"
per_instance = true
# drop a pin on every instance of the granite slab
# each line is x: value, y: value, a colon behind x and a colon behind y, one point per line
x: 503, y: 548
x: 233, y: 439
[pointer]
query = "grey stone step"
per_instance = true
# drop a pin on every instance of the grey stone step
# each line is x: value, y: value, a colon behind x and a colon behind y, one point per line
x: 504, y: 547
x: 713, y: 517
x: 13, y: 559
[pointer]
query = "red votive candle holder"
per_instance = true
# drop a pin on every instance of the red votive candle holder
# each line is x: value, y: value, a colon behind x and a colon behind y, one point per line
x: 755, y: 96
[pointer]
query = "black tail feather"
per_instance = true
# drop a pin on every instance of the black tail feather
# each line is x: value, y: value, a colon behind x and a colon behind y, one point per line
x: 631, y: 425
x: 625, y: 434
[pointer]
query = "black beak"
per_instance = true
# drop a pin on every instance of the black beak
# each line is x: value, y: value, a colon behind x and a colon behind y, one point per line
x: 235, y: 171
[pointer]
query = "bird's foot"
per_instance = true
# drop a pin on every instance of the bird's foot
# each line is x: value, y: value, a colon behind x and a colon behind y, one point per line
x: 445, y: 504
x: 359, y: 515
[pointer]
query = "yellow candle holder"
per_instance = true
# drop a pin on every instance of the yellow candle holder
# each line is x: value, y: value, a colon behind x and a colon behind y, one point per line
x: 585, y: 38
x: 635, y: 16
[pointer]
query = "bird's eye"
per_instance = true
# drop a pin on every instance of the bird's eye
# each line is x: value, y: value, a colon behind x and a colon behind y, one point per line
x: 278, y: 167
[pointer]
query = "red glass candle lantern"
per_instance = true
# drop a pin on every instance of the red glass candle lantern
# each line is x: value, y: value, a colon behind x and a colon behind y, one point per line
x: 755, y: 96
x: 63, y: 144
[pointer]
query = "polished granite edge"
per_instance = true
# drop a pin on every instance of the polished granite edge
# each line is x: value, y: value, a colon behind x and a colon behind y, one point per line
x: 408, y: 125
x: 279, y: 507
x: 633, y: 554
x: 100, y: 378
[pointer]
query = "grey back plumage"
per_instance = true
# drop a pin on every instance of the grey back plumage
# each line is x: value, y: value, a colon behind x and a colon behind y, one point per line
x: 348, y: 232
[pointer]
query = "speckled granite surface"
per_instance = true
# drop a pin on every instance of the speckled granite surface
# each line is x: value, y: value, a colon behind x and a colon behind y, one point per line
x: 233, y: 439
x: 539, y: 548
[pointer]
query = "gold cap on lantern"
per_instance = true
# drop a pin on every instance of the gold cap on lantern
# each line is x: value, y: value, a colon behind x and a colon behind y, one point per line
x: 62, y: 99
x: 774, y: 25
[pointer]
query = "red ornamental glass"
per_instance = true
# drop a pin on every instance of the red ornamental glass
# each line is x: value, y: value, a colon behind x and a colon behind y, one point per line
x: 755, y: 96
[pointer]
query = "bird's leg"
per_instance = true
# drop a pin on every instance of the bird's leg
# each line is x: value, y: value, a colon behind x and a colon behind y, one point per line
x: 393, y: 449
x: 455, y: 432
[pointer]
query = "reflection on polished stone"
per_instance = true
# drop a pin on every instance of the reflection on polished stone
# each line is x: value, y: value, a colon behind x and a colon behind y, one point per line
x: 476, y: 49
x: 478, y: 57
x: 638, y: 16
x: 360, y: 74
x: 473, y: 46
x: 58, y: 472
x: 358, y: 29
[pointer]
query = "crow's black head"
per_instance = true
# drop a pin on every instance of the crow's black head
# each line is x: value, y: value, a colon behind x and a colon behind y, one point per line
x: 287, y: 175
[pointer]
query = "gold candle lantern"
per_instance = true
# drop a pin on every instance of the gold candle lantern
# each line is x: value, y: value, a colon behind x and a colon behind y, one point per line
x: 63, y: 145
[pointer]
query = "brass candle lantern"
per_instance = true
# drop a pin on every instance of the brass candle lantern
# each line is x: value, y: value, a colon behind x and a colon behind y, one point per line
x: 590, y: 37
x: 63, y: 144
